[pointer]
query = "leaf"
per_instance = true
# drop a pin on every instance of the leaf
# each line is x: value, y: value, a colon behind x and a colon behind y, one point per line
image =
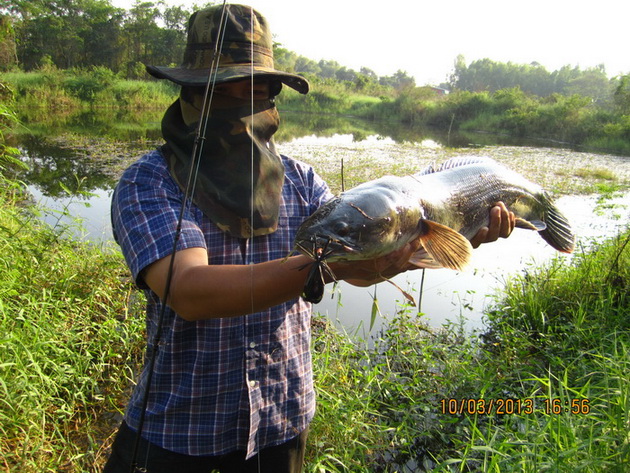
x: 375, y: 311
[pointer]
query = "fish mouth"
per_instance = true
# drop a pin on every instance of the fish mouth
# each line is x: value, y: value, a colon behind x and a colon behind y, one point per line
x: 322, y: 247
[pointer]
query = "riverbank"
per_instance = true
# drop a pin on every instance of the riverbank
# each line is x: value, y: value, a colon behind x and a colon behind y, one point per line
x: 554, y: 357
x: 574, y: 120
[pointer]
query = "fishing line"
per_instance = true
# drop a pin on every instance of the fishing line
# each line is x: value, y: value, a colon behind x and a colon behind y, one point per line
x: 343, y: 187
x: 249, y: 246
x: 421, y: 292
x: 186, y: 202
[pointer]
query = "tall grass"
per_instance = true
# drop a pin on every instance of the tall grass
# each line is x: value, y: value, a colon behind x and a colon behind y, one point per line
x: 57, y: 90
x: 70, y: 343
x: 67, y: 341
x: 555, y: 359
x: 558, y: 341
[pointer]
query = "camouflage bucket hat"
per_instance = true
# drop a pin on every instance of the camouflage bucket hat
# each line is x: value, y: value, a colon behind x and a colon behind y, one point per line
x: 245, y: 49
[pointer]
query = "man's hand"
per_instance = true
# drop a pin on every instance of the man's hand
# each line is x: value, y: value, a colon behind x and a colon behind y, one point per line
x: 502, y: 222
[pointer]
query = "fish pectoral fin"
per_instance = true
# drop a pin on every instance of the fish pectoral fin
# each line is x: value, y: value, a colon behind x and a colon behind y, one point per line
x: 536, y: 225
x: 421, y: 259
x: 444, y: 245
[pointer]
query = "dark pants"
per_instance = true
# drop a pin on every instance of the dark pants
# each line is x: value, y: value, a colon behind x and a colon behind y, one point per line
x: 285, y: 458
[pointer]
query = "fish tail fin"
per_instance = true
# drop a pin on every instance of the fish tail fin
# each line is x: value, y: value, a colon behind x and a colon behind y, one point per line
x: 444, y: 245
x: 536, y: 225
x: 558, y: 232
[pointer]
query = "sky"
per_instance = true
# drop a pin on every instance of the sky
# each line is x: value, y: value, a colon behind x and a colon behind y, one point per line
x: 424, y: 38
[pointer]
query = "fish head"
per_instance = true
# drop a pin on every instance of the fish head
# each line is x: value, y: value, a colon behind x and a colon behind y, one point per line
x: 349, y: 229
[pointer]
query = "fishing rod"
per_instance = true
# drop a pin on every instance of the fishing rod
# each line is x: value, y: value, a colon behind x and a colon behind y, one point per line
x: 188, y: 193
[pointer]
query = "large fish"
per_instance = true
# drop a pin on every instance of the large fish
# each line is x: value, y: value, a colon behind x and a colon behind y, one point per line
x: 443, y: 207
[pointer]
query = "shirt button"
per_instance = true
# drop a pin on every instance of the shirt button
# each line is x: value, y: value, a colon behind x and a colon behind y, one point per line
x: 252, y: 345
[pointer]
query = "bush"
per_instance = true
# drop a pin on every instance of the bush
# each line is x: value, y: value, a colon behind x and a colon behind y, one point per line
x: 85, y: 85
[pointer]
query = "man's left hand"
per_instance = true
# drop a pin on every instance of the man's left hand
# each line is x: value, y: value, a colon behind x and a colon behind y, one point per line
x: 502, y: 222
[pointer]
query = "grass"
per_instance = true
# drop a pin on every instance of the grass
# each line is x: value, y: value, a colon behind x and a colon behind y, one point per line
x: 569, y: 119
x: 99, y: 88
x: 595, y: 173
x: 67, y: 344
x: 70, y: 344
x: 557, y: 346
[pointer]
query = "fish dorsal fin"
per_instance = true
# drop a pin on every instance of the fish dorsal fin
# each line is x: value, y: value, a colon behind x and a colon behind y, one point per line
x: 464, y: 161
x: 430, y: 169
x: 455, y: 163
x: 536, y: 225
x: 444, y: 245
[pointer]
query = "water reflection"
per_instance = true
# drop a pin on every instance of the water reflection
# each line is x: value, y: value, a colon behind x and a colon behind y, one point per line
x: 55, y: 168
x: 87, y: 150
x: 87, y: 217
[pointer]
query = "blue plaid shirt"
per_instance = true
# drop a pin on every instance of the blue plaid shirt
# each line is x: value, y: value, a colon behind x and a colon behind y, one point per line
x: 219, y: 385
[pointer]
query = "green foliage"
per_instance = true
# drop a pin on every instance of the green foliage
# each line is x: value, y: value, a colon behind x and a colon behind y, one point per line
x: 331, y: 97
x: 102, y: 44
x: 67, y: 346
x: 86, y: 33
x: 79, y: 51
x: 97, y: 87
x: 8, y: 154
x: 573, y: 119
x: 491, y: 76
x: 8, y: 53
x: 622, y: 95
x: 553, y: 362
x: 85, y: 85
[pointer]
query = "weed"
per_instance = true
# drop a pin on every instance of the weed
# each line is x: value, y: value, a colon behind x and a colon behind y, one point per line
x: 68, y: 341
x: 543, y: 388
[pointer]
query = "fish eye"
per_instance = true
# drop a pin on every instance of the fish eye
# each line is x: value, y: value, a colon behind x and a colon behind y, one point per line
x: 342, y: 229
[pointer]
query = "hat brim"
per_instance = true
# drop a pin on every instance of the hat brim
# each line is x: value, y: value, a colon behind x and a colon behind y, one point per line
x: 199, y: 77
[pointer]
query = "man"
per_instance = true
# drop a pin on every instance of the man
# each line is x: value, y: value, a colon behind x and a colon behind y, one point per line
x: 231, y: 389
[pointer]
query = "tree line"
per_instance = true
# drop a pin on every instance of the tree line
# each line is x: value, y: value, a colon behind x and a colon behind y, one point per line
x: 96, y: 45
x: 84, y: 34
x: 485, y: 75
x: 93, y: 33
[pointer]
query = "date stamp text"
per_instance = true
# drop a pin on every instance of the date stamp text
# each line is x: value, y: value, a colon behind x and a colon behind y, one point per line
x: 502, y: 406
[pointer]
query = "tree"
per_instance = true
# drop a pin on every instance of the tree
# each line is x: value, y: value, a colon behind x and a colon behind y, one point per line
x: 328, y: 68
x: 102, y: 35
x: 8, y: 53
x: 69, y: 32
x: 141, y: 32
x: 343, y: 73
x: 399, y: 80
x: 284, y: 59
x: 369, y: 73
x: 621, y: 95
x: 304, y: 65
x: 487, y: 75
x: 591, y: 83
x: 459, y: 68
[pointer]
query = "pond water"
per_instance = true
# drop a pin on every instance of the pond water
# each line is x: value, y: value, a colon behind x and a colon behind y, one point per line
x: 61, y: 170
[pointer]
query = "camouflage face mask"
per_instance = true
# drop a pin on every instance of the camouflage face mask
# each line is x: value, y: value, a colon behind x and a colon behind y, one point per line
x: 237, y: 152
